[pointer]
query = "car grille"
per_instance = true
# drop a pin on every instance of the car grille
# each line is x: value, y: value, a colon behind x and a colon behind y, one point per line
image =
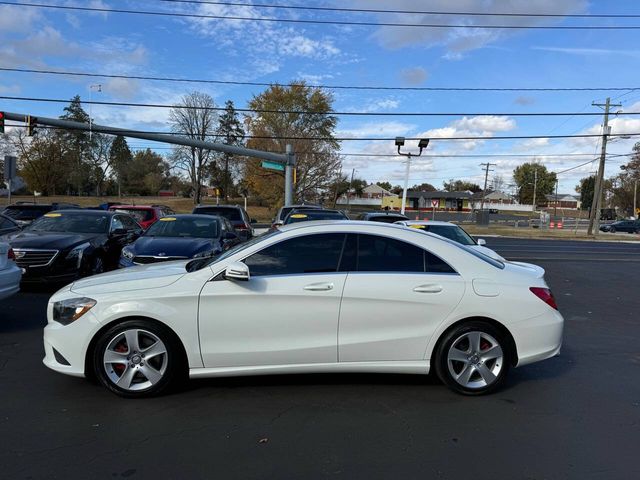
x: 144, y: 260
x: 34, y: 257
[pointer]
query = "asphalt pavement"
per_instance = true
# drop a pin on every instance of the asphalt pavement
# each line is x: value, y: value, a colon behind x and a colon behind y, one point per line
x: 573, y: 416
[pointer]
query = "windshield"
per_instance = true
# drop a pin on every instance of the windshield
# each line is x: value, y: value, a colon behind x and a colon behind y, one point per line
x: 452, y: 232
x: 189, y: 227
x: 319, y: 215
x: 71, y: 223
x: 231, y: 214
x: 25, y: 212
x: 139, y: 214
x: 205, y: 262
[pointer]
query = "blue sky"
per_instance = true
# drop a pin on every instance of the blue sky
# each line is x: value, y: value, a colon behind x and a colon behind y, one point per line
x: 349, y: 55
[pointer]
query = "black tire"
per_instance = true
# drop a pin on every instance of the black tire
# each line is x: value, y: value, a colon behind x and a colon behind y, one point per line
x: 171, y: 365
x: 498, y: 367
x: 612, y: 230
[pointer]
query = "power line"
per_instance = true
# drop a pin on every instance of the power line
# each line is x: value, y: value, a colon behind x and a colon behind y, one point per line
x: 123, y: 132
x: 308, y: 112
x: 329, y: 87
x: 321, y: 22
x: 416, y: 12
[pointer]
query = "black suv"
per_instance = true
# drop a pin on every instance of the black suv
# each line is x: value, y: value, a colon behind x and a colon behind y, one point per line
x: 237, y: 215
x: 24, y: 213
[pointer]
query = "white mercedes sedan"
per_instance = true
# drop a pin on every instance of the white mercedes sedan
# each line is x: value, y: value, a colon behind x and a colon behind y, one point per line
x: 309, y: 297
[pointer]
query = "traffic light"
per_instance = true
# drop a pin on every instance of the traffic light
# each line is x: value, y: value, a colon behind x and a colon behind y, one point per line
x: 1, y: 122
x: 31, y: 125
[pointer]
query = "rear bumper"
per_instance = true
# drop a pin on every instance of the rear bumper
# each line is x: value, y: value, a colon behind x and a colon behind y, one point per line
x: 538, y: 338
x: 9, y: 281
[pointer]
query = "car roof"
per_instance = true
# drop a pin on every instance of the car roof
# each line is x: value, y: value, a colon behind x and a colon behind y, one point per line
x: 194, y: 216
x: 132, y: 207
x: 85, y: 212
x: 315, y: 210
x: 430, y: 222
x: 219, y: 206
x: 384, y: 214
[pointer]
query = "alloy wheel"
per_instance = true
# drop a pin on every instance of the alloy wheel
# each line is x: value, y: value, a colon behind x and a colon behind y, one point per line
x: 475, y: 360
x: 135, y: 360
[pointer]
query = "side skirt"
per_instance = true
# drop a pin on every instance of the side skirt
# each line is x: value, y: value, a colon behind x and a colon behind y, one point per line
x: 417, y: 367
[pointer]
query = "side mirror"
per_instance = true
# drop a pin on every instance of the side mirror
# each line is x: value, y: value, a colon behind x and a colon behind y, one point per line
x: 237, y: 271
x: 117, y: 232
x: 253, y: 220
x: 229, y: 236
x: 481, y: 241
x: 277, y: 224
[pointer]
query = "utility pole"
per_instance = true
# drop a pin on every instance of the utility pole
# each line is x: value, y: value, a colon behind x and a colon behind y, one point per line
x: 406, y: 184
x: 594, y: 215
x: 635, y: 196
x: 486, y: 177
x: 535, y: 187
x: 288, y: 175
x: 353, y: 171
x: 555, y: 203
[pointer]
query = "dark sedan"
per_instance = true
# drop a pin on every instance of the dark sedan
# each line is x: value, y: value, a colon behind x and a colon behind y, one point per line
x: 67, y: 244
x: 180, y: 237
x: 308, y: 215
x: 629, y: 226
x: 383, y: 217
x: 8, y: 225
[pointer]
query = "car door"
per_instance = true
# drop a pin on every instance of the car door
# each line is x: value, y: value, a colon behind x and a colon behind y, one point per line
x: 395, y: 296
x: 286, y: 313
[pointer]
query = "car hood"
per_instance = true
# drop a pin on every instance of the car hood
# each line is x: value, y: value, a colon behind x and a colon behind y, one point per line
x: 172, y: 246
x: 53, y: 240
x: 135, y: 278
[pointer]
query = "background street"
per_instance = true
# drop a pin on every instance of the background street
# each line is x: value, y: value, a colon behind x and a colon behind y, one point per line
x: 574, y: 416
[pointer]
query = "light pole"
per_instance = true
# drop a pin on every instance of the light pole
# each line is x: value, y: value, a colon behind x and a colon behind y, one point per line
x: 635, y: 197
x: 353, y: 171
x: 422, y: 144
x: 98, y: 87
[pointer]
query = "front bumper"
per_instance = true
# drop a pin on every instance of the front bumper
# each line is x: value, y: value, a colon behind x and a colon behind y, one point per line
x: 71, y: 342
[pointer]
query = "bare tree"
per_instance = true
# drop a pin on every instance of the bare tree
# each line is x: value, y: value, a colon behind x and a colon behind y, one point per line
x: 197, y: 120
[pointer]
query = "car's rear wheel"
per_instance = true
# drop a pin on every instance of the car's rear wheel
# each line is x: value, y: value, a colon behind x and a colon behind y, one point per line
x: 473, y: 358
x: 97, y: 266
x: 137, y: 358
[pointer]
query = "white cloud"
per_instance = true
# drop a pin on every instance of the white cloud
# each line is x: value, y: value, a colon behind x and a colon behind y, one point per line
x: 590, y: 52
x: 9, y: 89
x: 413, y: 76
x: 524, y: 100
x: 377, y: 129
x: 457, y: 40
x: 17, y: 19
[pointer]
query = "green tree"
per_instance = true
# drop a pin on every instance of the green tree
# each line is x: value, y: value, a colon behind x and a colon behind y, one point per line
x: 77, y: 146
x: 386, y: 185
x: 43, y: 163
x: 148, y: 172
x: 525, y: 177
x: 230, y: 132
x: 279, y: 121
x: 422, y: 187
x: 623, y: 185
x: 120, y: 157
x: 585, y: 189
x: 461, y: 186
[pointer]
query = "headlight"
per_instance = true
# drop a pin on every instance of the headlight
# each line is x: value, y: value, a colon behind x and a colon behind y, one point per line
x: 77, y: 253
x: 126, y: 253
x: 207, y: 253
x: 67, y: 311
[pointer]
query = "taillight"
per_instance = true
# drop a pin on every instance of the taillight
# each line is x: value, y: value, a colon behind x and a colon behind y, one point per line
x: 545, y: 295
x: 242, y: 226
x: 11, y: 255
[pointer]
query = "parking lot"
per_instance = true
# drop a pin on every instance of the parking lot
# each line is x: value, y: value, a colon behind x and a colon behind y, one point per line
x: 573, y: 416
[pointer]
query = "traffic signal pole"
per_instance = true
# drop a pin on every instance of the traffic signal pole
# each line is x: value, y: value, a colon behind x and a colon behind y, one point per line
x: 287, y: 159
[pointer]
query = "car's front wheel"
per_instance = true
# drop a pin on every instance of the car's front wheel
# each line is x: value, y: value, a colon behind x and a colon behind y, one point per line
x: 612, y: 230
x: 473, y: 358
x: 137, y: 358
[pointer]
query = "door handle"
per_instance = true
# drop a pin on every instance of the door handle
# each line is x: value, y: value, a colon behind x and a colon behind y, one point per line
x: 429, y: 288
x: 319, y: 287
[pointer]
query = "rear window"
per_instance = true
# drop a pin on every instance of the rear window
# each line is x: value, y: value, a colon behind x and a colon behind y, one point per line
x: 26, y: 212
x: 296, y: 217
x: 231, y: 214
x: 140, y: 215
x: 386, y: 219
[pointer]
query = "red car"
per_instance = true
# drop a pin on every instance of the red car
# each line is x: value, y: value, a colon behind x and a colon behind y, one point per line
x: 145, y: 215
